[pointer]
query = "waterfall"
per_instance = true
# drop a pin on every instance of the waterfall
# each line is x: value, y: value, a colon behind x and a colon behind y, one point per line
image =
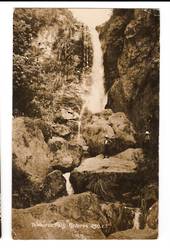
x: 93, y: 96
x: 69, y: 187
x: 79, y: 123
x: 97, y: 99
x: 136, y: 223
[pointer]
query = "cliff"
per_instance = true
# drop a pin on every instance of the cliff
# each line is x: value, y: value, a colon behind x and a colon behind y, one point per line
x: 130, y: 42
x: 49, y: 47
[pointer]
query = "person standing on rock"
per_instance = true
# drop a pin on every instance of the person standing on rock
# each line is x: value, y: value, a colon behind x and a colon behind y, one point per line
x: 106, y: 147
x: 147, y: 141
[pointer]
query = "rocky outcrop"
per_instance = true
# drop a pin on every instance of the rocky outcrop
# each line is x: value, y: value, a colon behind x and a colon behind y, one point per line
x: 130, y: 41
x: 136, y: 155
x: 66, y: 155
x: 109, y: 177
x: 119, y: 217
x: 135, y: 234
x: 54, y: 186
x: 152, y: 218
x: 149, y: 194
x: 48, y: 63
x: 31, y: 161
x: 79, y: 216
x: 72, y: 217
x: 115, y: 126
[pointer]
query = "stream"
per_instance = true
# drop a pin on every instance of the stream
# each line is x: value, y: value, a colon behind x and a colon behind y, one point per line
x: 69, y: 187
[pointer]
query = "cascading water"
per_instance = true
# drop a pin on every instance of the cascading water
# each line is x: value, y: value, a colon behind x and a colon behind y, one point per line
x: 96, y: 98
x: 79, y: 123
x: 136, y: 223
x: 69, y: 187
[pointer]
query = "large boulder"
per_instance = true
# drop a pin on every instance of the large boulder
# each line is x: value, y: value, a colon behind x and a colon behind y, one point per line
x: 152, y: 218
x: 135, y: 234
x: 72, y: 217
x: 31, y: 161
x: 54, y: 186
x: 109, y: 178
x: 79, y: 216
x: 132, y: 154
x: 149, y: 195
x: 56, y: 143
x: 119, y: 216
x: 62, y: 130
x: 115, y: 126
x: 66, y: 114
x: 66, y: 155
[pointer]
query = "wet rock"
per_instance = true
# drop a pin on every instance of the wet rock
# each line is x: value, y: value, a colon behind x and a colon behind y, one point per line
x: 31, y: 161
x: 152, y: 218
x: 115, y: 126
x: 109, y: 178
x: 72, y: 217
x: 54, y: 186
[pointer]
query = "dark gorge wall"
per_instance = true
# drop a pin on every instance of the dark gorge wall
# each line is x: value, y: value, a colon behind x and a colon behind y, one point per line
x: 130, y: 42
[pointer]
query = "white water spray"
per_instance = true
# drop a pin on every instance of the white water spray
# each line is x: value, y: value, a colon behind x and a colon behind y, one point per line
x: 94, y: 96
x: 69, y: 187
x: 96, y: 100
x: 136, y: 223
x: 79, y: 122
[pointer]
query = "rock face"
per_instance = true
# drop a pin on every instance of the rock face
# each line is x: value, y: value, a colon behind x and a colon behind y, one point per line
x: 119, y: 217
x: 48, y: 62
x: 79, y: 216
x: 109, y: 178
x: 135, y: 234
x: 135, y: 155
x: 116, y: 126
x: 130, y: 42
x: 48, y: 67
x: 71, y: 217
x: 54, y: 186
x: 31, y: 161
x: 149, y: 194
x: 152, y: 218
x: 67, y: 155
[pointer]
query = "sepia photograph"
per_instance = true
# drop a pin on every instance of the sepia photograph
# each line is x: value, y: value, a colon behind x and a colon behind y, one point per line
x: 85, y: 138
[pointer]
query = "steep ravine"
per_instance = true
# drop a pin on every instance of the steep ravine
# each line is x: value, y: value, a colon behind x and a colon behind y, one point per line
x: 66, y: 185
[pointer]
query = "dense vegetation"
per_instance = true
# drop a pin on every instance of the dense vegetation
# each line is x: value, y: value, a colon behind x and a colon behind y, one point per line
x: 49, y: 47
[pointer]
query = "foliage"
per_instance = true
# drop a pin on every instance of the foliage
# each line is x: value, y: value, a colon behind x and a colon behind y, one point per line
x: 47, y: 61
